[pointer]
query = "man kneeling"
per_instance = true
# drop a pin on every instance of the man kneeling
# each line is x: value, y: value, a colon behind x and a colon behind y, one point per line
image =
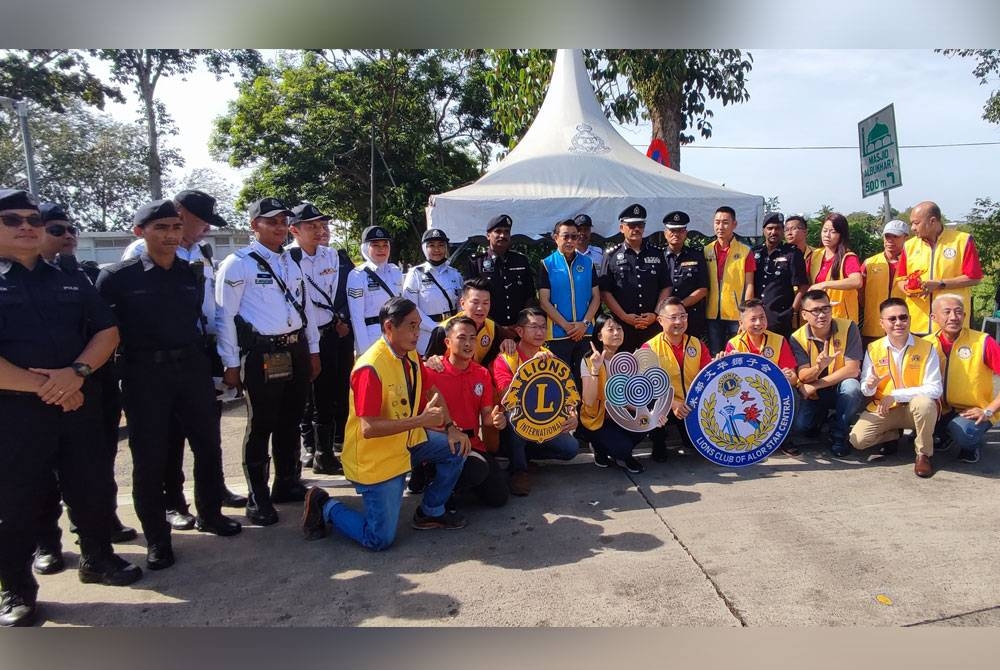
x: 391, y: 420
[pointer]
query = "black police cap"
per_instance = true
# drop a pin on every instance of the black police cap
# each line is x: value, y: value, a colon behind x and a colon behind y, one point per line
x: 308, y: 212
x: 434, y: 234
x: 499, y: 221
x: 773, y: 217
x: 50, y: 211
x: 15, y: 198
x: 268, y: 207
x: 373, y: 233
x: 151, y: 211
x: 583, y: 220
x: 634, y: 213
x: 200, y: 204
x: 676, y: 220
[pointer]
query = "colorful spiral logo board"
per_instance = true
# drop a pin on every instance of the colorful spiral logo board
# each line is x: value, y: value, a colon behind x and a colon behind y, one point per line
x: 539, y: 398
x: 637, y: 392
x: 743, y: 409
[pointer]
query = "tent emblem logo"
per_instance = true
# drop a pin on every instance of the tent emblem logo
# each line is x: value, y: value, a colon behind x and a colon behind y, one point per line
x: 586, y: 142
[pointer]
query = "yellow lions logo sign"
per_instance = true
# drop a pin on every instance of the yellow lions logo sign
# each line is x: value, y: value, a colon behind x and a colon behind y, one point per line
x: 539, y: 398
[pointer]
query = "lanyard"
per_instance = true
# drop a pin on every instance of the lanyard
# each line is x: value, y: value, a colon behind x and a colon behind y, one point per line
x: 409, y: 374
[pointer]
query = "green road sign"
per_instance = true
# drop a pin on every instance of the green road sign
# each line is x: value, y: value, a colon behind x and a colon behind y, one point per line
x: 879, y: 153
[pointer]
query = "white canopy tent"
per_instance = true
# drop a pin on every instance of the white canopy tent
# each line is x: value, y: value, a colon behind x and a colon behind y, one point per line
x: 572, y: 161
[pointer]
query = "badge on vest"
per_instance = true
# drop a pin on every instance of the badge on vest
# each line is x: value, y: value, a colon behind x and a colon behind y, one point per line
x: 743, y: 408
x: 637, y: 393
x: 965, y: 352
x: 949, y: 253
x: 539, y: 398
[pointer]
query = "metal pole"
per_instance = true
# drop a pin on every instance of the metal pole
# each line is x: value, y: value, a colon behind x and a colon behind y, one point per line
x: 371, y: 181
x: 20, y: 107
x: 887, y: 208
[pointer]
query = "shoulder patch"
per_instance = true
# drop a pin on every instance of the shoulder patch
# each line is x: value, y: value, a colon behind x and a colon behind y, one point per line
x: 234, y: 282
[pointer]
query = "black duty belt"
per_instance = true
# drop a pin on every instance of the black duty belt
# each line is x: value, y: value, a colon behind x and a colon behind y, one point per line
x: 280, y: 341
x: 327, y: 327
x: 162, y: 355
x: 441, y: 317
x: 371, y: 320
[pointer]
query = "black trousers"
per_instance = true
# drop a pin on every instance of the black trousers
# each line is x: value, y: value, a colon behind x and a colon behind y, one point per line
x: 155, y: 395
x: 327, y: 400
x: 635, y: 338
x: 571, y: 353
x: 274, y: 410
x: 483, y: 476
x: 37, y: 440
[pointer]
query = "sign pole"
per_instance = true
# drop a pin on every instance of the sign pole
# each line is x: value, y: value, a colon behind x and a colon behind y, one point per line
x: 887, y: 207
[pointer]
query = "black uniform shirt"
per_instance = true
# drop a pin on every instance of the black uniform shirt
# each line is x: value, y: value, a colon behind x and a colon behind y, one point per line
x: 47, y: 316
x: 778, y: 276
x: 688, y: 272
x: 512, y: 284
x: 158, y: 309
x: 635, y: 279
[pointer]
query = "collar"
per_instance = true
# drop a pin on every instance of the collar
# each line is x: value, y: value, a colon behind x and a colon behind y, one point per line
x: 909, y: 343
x: 306, y: 254
x: 393, y: 351
x: 266, y: 253
x: 450, y: 369
x: 5, y: 266
x: 374, y: 267
x: 943, y: 336
x: 811, y: 336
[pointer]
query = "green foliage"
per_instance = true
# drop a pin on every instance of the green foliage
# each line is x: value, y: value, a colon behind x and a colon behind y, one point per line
x: 984, y: 225
x: 52, y: 78
x: 213, y: 183
x: 865, y: 231
x: 987, y: 68
x: 305, y: 126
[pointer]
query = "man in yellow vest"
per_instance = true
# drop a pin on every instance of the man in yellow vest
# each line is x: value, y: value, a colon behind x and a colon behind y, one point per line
x: 395, y: 415
x: 730, y: 279
x: 940, y: 261
x: 969, y: 359
x: 490, y: 337
x: 879, y: 274
x: 902, y: 376
x: 829, y: 354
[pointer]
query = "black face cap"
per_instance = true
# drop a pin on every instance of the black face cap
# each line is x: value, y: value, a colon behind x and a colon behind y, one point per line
x: 773, y: 217
x: 373, y: 233
x: 151, y: 211
x: 434, y: 234
x: 50, y: 211
x: 634, y: 213
x: 268, y: 207
x: 200, y: 204
x: 499, y: 221
x: 582, y: 221
x: 308, y: 212
x: 676, y: 220
x: 15, y: 198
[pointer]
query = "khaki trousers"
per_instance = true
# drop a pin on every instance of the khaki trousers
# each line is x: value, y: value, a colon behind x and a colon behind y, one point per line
x: 920, y: 414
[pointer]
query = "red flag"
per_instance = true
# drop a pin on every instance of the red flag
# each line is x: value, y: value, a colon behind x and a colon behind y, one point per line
x: 658, y: 152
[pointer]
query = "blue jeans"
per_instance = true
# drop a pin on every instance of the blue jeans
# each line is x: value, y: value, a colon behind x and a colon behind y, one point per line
x: 562, y: 447
x: 964, y: 432
x: 614, y: 440
x: 719, y: 333
x: 845, y: 399
x: 375, y: 529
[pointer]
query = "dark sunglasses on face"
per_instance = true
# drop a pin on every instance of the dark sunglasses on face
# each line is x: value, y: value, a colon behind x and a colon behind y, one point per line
x: 60, y: 229
x: 902, y: 318
x: 15, y: 220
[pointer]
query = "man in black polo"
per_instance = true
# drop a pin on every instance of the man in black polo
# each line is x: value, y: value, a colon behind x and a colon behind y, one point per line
x: 688, y: 272
x: 166, y: 377
x: 780, y: 278
x: 512, y: 282
x: 634, y: 280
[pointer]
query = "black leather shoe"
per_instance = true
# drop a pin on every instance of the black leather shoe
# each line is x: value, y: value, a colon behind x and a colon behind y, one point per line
x: 313, y: 523
x: 218, y: 525
x: 16, y: 610
x: 660, y: 454
x: 110, y: 570
x: 159, y: 556
x: 266, y: 516
x: 327, y: 464
x: 48, y: 561
x: 282, y: 492
x: 233, y: 500
x: 123, y: 534
x: 179, y: 520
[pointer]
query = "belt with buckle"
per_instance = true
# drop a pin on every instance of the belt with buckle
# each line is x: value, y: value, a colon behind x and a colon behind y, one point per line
x: 163, y: 355
x: 282, y: 341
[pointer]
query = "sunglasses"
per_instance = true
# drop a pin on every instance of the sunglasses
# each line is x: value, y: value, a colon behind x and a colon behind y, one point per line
x: 902, y: 318
x: 15, y: 220
x: 60, y: 229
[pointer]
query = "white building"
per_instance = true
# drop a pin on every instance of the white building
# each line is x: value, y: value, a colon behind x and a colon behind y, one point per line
x: 108, y: 247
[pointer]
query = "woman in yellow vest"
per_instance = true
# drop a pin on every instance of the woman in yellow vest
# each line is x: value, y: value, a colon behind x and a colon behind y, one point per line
x: 609, y: 441
x: 836, y: 269
x: 392, y: 421
x: 969, y: 359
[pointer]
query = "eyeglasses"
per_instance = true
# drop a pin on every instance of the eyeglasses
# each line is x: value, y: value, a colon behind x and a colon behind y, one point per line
x: 676, y: 317
x: 819, y: 311
x: 15, y: 220
x: 568, y: 236
x: 534, y: 326
x: 902, y: 318
x: 60, y: 229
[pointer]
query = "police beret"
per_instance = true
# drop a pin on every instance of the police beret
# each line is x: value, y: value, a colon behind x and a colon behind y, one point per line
x: 677, y: 219
x: 151, y: 211
x: 15, y: 198
x: 773, y: 217
x: 583, y: 220
x: 434, y: 234
x: 308, y: 212
x: 50, y: 211
x: 200, y: 204
x: 633, y: 214
x: 499, y: 221
x: 373, y: 233
x: 268, y: 207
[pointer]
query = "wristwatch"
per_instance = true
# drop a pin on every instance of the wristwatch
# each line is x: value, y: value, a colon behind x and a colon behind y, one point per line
x: 588, y: 324
x: 82, y: 370
x: 988, y: 413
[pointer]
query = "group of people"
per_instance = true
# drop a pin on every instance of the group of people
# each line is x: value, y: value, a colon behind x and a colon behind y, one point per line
x: 394, y: 380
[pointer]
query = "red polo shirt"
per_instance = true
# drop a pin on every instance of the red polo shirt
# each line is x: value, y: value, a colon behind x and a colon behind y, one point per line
x: 466, y: 392
x: 786, y: 359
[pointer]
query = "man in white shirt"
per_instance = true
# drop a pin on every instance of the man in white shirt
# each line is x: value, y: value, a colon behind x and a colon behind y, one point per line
x: 269, y: 345
x: 902, y: 376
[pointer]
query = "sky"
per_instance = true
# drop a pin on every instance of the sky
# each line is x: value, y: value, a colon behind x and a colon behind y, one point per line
x: 798, y: 98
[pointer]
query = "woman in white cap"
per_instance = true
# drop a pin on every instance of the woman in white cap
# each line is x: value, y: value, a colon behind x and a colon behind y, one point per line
x: 435, y: 286
x: 370, y: 285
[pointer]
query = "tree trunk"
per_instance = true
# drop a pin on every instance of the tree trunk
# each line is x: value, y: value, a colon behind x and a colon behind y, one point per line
x: 666, y: 121
x: 153, y: 157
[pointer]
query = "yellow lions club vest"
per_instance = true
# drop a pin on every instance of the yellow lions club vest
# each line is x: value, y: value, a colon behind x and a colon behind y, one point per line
x: 484, y: 337
x: 681, y: 376
x: 941, y: 261
x: 372, y: 460
x: 837, y: 342
x: 879, y: 286
x: 914, y: 360
x: 770, y: 348
x: 845, y: 303
x: 724, y: 301
x: 967, y: 380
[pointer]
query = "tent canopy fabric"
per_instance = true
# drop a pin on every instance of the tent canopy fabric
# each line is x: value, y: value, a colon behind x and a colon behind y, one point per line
x: 573, y: 161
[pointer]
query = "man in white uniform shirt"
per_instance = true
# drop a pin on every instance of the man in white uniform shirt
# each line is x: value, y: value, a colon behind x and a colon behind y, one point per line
x: 371, y: 285
x: 435, y: 286
x: 269, y: 345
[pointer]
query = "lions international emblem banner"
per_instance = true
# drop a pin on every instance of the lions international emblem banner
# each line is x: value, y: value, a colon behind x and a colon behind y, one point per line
x: 637, y: 392
x: 539, y: 398
x: 743, y: 409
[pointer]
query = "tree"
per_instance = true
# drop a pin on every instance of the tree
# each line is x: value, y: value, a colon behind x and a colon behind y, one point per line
x: 212, y: 182
x: 306, y: 129
x: 52, y: 78
x: 143, y: 68
x: 984, y: 224
x: 669, y: 87
x: 987, y: 66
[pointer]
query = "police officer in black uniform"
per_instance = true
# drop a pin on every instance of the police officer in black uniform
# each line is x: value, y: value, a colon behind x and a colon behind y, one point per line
x: 512, y: 282
x: 54, y: 332
x: 688, y: 272
x: 781, y: 276
x: 166, y: 377
x: 634, y: 279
